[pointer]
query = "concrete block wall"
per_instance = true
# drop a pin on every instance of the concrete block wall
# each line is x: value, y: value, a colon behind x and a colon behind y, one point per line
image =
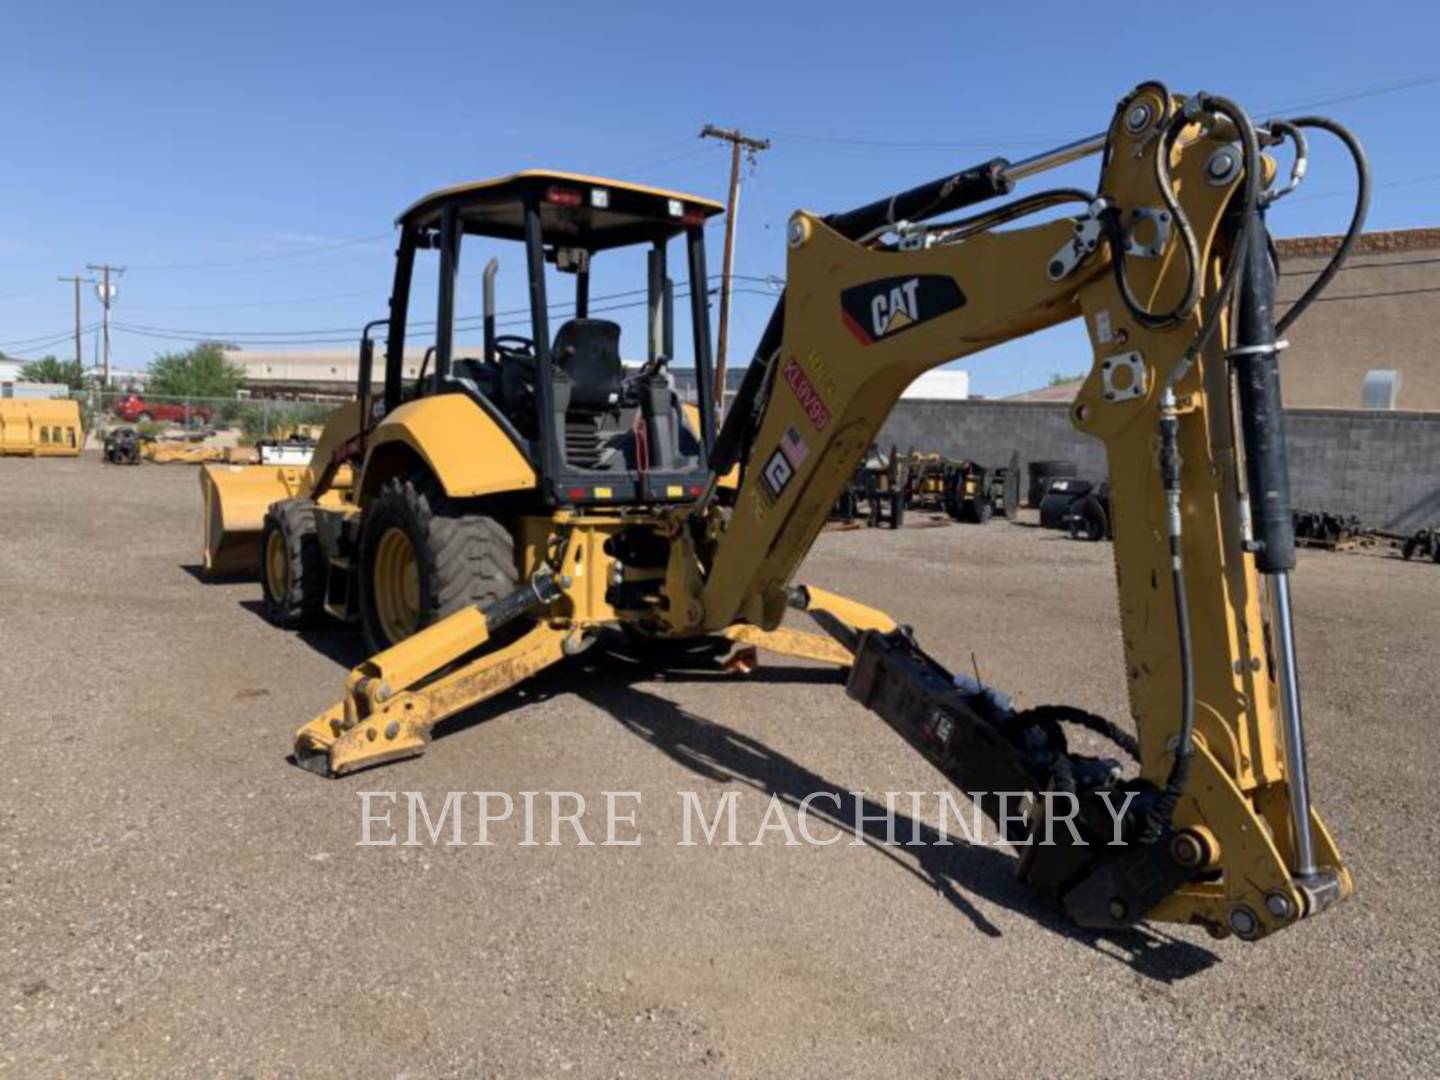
x: 1381, y: 466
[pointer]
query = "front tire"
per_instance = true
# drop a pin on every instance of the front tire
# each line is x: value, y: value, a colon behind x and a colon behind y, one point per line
x: 292, y: 564
x: 424, y: 556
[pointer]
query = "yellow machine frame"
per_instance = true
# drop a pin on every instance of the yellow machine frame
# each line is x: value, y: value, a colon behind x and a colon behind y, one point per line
x: 729, y: 568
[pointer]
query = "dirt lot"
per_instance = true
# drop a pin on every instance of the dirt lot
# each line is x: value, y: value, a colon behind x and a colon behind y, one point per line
x: 176, y: 897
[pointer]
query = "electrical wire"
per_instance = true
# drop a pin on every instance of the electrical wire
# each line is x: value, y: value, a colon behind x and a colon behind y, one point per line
x: 345, y: 336
x: 1349, y: 266
x: 1410, y: 83
x: 296, y: 254
x: 463, y: 322
x: 38, y: 337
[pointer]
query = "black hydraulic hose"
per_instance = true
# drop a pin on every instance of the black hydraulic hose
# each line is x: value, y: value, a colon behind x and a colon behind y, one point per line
x: 1285, y: 129
x: 1240, y: 247
x: 1357, y: 218
x: 1116, y: 232
x: 1163, y: 810
x: 1161, y: 814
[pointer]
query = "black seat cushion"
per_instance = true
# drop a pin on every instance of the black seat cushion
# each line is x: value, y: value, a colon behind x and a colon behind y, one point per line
x: 588, y: 352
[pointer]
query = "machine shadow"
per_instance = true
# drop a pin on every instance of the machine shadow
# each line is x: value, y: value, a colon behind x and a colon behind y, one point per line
x: 611, y: 676
x: 612, y: 681
x: 331, y: 639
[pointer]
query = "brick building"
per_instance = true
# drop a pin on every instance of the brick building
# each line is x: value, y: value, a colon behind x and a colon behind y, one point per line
x: 1379, y: 313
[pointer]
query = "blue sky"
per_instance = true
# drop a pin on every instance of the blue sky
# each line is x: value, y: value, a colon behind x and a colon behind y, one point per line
x: 245, y: 161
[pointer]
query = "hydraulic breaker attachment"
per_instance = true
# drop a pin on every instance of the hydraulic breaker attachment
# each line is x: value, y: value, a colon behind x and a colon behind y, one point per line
x: 394, y: 699
x: 1085, y: 842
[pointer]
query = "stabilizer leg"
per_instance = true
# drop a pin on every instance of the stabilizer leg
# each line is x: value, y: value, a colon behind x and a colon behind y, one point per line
x: 394, y: 699
x: 840, y: 617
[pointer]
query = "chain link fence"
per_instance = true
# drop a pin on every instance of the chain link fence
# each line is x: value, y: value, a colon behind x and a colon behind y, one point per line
x: 238, y: 421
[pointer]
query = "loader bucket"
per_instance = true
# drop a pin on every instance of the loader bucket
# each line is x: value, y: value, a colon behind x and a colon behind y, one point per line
x: 236, y: 498
x: 40, y: 428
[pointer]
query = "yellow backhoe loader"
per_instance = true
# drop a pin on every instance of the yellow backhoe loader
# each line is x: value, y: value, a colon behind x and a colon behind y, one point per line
x: 490, y: 518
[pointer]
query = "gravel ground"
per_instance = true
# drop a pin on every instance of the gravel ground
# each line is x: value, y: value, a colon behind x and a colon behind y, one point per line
x: 177, y: 898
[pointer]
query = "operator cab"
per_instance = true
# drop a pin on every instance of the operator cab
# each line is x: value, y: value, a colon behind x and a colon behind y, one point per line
x: 596, y: 429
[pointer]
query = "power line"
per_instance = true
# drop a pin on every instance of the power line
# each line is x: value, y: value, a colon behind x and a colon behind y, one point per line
x: 1427, y: 179
x: 191, y: 333
x: 982, y: 144
x: 1373, y: 296
x: 1362, y: 266
x: 46, y: 345
x: 1410, y: 83
x: 294, y: 300
x: 38, y: 337
x: 298, y: 253
x: 911, y: 144
x: 349, y: 334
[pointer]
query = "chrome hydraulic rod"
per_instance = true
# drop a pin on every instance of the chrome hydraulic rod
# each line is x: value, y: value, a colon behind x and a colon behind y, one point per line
x: 1296, y: 768
x: 1053, y: 159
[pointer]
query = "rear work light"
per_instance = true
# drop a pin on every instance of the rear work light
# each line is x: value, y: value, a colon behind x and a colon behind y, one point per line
x: 563, y: 196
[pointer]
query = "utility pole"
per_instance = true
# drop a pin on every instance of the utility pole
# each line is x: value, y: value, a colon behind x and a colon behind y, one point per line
x: 738, y: 141
x: 77, y: 280
x: 107, y: 296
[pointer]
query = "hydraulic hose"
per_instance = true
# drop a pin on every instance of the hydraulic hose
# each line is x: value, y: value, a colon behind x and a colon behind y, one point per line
x: 1163, y: 810
x: 1357, y: 218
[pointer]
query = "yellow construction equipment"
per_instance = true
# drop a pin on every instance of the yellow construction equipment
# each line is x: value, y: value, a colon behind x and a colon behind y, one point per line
x: 236, y: 497
x: 40, y: 428
x: 520, y: 497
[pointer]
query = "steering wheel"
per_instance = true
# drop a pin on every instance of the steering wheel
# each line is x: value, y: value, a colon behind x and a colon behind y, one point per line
x: 514, y: 347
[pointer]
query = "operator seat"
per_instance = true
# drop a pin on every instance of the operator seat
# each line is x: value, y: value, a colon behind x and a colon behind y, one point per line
x: 589, y: 378
x: 588, y: 352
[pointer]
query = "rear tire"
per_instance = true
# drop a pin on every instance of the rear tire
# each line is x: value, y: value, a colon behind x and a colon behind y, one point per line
x: 292, y: 564
x: 458, y: 555
x: 1088, y: 521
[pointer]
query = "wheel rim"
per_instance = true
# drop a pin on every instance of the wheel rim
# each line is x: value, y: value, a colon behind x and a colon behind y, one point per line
x: 396, y: 580
x: 277, y: 565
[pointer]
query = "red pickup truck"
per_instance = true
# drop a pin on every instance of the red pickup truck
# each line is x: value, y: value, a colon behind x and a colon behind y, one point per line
x: 132, y: 408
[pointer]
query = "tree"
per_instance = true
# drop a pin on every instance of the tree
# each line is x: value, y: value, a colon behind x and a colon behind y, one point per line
x: 201, y: 372
x: 51, y: 370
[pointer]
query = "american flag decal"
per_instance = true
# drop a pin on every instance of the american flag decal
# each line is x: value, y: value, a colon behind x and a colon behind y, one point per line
x: 794, y: 448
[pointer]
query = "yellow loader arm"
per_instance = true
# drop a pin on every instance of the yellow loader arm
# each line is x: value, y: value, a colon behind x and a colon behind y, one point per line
x: 1168, y: 264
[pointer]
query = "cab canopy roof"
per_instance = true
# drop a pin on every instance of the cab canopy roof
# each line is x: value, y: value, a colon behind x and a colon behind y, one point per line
x: 575, y: 211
